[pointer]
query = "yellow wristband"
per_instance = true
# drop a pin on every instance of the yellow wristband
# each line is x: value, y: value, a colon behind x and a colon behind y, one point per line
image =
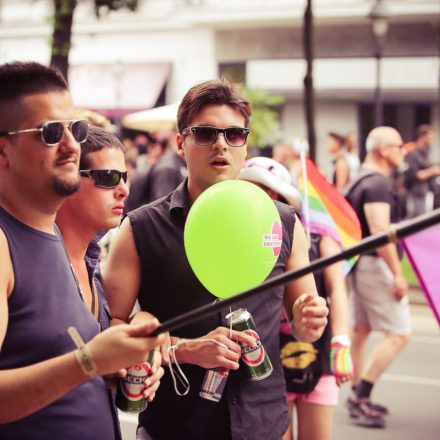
x: 83, y: 354
x: 85, y: 360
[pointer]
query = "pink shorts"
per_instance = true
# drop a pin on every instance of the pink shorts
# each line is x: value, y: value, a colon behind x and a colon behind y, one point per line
x: 325, y: 393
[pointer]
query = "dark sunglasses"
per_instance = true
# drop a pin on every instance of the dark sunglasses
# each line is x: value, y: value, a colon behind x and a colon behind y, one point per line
x: 52, y: 131
x: 105, y: 178
x: 206, y: 135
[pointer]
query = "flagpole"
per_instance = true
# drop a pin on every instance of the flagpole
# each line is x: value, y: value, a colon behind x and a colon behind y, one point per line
x: 392, y: 235
x: 303, y: 148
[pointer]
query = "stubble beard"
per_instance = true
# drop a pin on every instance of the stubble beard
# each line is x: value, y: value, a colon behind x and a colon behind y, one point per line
x: 64, y: 187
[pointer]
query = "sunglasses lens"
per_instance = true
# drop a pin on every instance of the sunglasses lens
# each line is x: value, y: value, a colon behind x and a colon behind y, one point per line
x: 236, y: 137
x: 52, y: 132
x: 205, y: 135
x: 80, y: 130
x: 109, y: 178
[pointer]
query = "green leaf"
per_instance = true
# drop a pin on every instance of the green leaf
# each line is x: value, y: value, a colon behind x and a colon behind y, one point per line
x: 265, y: 123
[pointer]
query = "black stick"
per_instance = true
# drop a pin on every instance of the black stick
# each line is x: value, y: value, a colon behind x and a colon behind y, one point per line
x: 393, y: 235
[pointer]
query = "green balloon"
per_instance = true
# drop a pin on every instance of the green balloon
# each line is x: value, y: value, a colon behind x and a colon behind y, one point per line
x: 232, y: 237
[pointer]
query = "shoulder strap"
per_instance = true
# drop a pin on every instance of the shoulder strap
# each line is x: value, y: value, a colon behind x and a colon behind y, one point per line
x: 362, y: 176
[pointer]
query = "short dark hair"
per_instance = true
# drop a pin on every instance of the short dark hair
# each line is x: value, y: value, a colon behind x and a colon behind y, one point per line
x: 97, y: 140
x: 423, y: 129
x: 20, y: 79
x: 337, y: 137
x: 215, y: 92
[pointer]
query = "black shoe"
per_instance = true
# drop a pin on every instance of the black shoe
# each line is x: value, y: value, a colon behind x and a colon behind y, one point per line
x: 381, y: 409
x: 363, y: 413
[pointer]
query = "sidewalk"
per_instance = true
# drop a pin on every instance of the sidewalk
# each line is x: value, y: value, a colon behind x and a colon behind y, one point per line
x: 416, y: 296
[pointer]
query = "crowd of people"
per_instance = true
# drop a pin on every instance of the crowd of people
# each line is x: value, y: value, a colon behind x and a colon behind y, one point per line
x: 65, y: 180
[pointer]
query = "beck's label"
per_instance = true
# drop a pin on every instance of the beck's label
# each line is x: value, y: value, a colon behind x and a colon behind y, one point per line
x: 132, y: 385
x: 252, y: 356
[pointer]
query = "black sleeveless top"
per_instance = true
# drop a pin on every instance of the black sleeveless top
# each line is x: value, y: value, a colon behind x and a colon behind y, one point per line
x: 248, y: 409
x: 45, y: 301
x: 305, y: 362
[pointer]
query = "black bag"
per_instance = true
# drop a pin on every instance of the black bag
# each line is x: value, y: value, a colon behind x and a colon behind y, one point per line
x: 301, y: 364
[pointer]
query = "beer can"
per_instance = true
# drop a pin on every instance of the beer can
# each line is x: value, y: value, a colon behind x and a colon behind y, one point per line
x: 214, y: 383
x: 255, y: 360
x: 129, y: 397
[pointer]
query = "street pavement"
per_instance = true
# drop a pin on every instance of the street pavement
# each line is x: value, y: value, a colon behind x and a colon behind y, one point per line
x: 410, y: 388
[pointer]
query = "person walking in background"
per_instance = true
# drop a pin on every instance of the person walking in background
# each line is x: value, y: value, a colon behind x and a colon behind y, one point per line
x: 160, y: 178
x: 292, y: 147
x: 313, y: 371
x: 345, y: 162
x: 420, y: 173
x: 283, y: 153
x: 147, y: 261
x: 351, y: 154
x: 48, y: 389
x: 378, y: 293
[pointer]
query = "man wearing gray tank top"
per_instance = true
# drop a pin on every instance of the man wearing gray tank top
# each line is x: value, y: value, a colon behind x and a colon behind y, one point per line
x: 49, y: 388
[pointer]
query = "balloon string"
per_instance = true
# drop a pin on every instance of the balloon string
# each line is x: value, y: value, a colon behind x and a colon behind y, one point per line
x: 179, y: 374
x: 171, y: 358
x: 230, y: 323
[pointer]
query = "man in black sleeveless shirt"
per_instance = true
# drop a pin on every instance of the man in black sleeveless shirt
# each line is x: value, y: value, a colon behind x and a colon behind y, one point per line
x: 147, y: 261
x: 49, y: 390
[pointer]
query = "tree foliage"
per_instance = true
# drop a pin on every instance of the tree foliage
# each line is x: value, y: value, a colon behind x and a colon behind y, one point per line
x: 62, y: 26
x: 265, y: 122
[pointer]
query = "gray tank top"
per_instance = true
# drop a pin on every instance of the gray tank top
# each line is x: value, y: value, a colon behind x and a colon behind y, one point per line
x: 45, y: 301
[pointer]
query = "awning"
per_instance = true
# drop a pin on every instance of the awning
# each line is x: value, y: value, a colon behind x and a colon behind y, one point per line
x: 118, y: 85
x: 155, y: 119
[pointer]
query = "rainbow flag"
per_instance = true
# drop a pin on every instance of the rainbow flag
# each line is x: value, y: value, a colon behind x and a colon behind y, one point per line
x: 329, y: 212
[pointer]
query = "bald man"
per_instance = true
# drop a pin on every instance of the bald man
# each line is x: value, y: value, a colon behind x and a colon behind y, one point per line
x: 378, y: 286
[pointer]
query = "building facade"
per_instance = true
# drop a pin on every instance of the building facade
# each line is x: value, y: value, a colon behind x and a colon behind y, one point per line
x: 128, y: 61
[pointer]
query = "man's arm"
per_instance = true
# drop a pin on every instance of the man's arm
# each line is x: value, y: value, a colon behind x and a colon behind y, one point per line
x: 122, y: 273
x: 305, y: 309
x: 27, y: 389
x: 122, y: 277
x: 6, y: 284
x: 342, y: 173
x: 377, y: 215
x: 428, y: 173
x: 416, y: 170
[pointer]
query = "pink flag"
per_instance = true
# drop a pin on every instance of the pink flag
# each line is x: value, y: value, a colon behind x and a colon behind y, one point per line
x: 423, y: 253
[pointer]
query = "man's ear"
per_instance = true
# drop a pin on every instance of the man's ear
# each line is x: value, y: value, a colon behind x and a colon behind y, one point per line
x: 4, y: 143
x: 179, y: 143
x: 382, y: 150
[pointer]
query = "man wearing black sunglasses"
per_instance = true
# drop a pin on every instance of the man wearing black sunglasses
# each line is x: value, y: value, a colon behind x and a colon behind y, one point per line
x: 85, y: 217
x: 147, y: 262
x: 49, y: 389
x: 96, y: 207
